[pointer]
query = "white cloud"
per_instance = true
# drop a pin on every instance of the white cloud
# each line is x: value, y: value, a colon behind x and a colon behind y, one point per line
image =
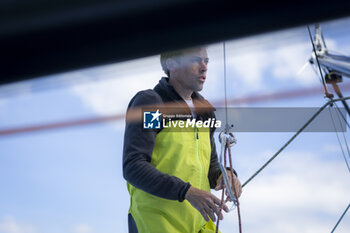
x: 82, y: 228
x: 288, y: 60
x: 281, y: 63
x: 115, y: 85
x: 113, y: 95
x: 331, y: 148
x: 9, y: 225
x: 250, y: 67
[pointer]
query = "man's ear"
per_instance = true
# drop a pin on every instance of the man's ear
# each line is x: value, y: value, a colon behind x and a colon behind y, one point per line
x: 171, y: 64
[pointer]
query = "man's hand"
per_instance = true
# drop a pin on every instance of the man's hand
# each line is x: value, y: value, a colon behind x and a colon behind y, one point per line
x: 235, y: 184
x: 206, y: 203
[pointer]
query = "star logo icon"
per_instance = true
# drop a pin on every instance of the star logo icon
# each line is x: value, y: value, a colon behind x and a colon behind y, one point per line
x: 156, y: 115
x: 151, y: 119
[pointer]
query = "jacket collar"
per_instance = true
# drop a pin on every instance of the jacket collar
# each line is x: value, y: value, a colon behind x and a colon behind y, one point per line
x: 169, y: 94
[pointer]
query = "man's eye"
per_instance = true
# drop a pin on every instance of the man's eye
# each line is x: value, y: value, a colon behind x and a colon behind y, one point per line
x: 198, y: 60
x: 194, y: 60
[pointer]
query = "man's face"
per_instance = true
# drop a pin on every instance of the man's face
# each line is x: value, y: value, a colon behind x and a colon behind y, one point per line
x: 192, y: 69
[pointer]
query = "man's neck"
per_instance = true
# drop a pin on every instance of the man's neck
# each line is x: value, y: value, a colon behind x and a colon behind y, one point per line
x: 180, y: 89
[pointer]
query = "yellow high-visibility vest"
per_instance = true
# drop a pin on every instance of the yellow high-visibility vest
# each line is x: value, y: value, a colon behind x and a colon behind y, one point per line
x: 184, y: 153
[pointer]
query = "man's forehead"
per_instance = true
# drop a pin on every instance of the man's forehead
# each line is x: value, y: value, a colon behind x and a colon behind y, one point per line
x: 197, y: 52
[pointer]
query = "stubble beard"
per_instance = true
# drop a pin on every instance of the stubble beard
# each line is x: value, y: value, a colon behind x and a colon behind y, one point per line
x: 198, y: 87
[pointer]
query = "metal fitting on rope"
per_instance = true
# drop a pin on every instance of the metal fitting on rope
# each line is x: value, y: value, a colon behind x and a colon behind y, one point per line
x: 230, y: 138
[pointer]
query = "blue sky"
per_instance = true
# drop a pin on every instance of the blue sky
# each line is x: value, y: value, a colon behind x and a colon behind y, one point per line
x: 70, y: 180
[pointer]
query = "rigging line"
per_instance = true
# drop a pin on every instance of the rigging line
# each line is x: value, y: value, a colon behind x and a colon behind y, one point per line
x: 346, y: 143
x: 224, y: 48
x: 343, y: 130
x: 292, y: 138
x: 344, y: 118
x: 341, y: 147
x: 316, y: 73
x: 338, y: 92
x: 341, y: 217
x: 318, y: 64
x: 222, y: 194
x: 323, y: 41
x: 234, y: 188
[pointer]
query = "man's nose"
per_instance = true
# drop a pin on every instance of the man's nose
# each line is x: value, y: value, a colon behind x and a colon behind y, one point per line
x: 204, y: 67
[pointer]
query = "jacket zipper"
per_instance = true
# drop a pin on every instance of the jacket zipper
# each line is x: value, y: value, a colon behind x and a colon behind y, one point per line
x: 197, y: 155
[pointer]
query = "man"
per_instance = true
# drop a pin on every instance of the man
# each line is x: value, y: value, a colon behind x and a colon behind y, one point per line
x: 170, y: 170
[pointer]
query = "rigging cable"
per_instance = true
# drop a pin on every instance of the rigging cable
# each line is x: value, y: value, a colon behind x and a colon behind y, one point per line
x: 330, y: 96
x: 293, y: 137
x: 342, y: 99
x: 342, y: 115
x: 234, y: 188
x: 225, y: 86
x: 340, y: 144
x: 340, y: 95
x: 343, y: 132
x: 222, y: 196
x: 341, y: 217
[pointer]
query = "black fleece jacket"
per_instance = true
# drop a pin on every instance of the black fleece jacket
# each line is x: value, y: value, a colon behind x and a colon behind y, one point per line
x: 139, y: 144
